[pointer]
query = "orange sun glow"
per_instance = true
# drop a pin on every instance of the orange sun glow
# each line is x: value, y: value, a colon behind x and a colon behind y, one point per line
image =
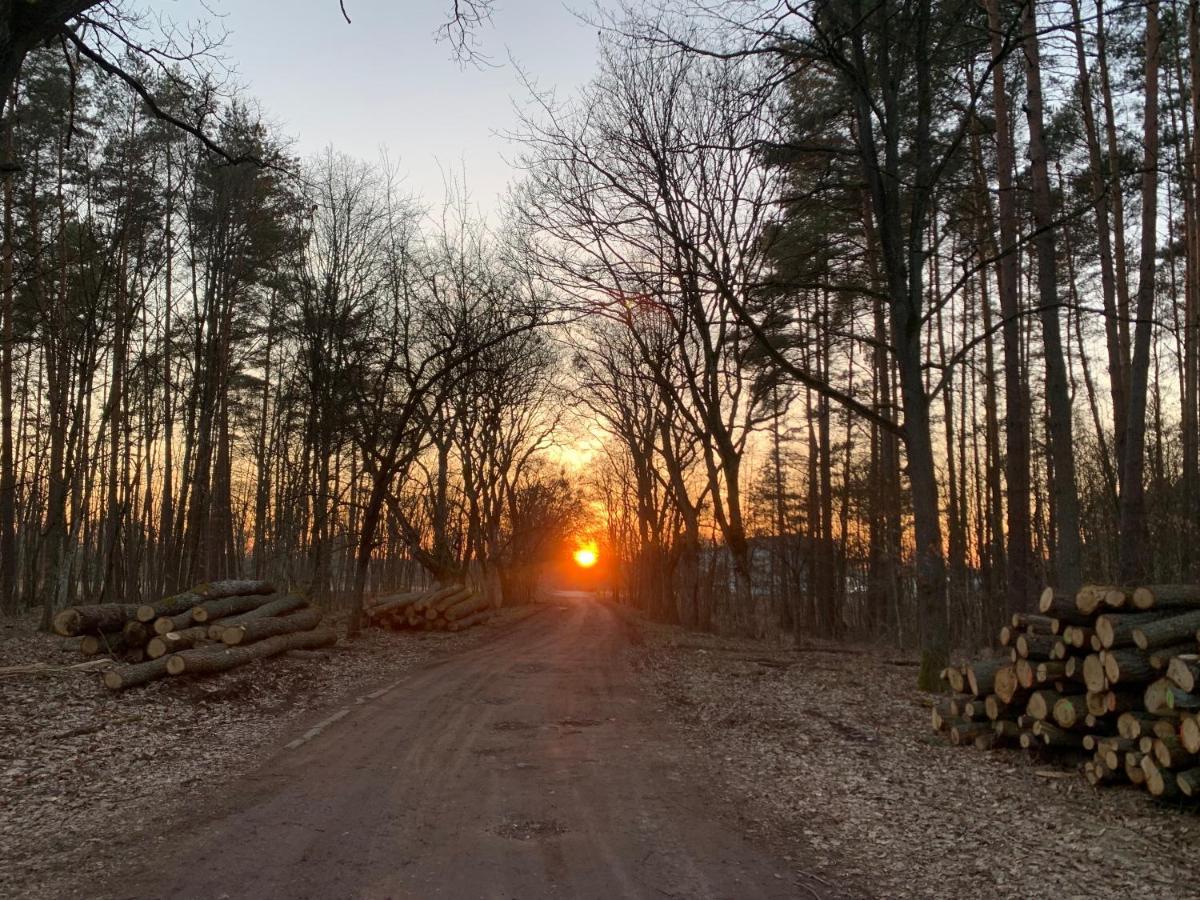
x: 586, y: 556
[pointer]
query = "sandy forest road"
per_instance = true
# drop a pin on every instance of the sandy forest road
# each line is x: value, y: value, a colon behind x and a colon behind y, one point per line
x: 534, y: 766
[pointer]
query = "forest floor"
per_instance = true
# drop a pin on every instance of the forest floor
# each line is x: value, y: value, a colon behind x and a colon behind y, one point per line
x: 81, y: 766
x: 574, y: 752
x: 829, y: 753
x: 536, y: 764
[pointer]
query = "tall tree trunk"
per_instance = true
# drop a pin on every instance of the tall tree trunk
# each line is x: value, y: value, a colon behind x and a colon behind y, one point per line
x: 8, y: 477
x: 1019, y: 566
x: 902, y: 233
x: 826, y: 589
x: 887, y: 532
x: 1132, y: 549
x: 1101, y: 189
x: 166, y: 526
x: 1116, y: 192
x: 262, y: 486
x: 115, y: 413
x: 1191, y: 332
x: 1058, y: 399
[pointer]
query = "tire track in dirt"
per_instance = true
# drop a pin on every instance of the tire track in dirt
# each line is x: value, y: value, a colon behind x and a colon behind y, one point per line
x: 427, y: 790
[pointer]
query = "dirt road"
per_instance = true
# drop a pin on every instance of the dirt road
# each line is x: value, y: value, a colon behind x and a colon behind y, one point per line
x: 531, y: 767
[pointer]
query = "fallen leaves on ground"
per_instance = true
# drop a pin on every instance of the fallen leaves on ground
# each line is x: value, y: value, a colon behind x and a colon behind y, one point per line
x: 829, y: 753
x: 82, y: 768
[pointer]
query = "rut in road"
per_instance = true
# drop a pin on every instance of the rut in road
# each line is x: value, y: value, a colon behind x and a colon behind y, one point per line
x: 531, y: 767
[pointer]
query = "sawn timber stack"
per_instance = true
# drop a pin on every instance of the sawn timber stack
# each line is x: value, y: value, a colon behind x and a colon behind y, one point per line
x: 450, y: 607
x: 1109, y: 678
x: 210, y: 628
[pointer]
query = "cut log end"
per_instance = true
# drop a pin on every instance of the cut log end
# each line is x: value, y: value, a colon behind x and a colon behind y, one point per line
x: 66, y: 623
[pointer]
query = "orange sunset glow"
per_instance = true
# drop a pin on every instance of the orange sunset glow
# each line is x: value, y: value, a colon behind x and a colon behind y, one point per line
x: 586, y: 556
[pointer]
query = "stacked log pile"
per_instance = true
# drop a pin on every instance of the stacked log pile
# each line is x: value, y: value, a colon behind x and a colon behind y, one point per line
x: 440, y: 608
x: 1109, y: 678
x: 210, y: 628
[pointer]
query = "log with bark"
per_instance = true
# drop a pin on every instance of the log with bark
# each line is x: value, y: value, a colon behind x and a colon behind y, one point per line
x: 1056, y: 670
x: 257, y: 629
x: 1090, y: 598
x: 436, y: 609
x: 1006, y: 684
x: 175, y: 641
x: 1116, y: 629
x: 1036, y: 646
x: 1060, y: 606
x: 392, y: 605
x: 958, y: 707
x: 942, y: 717
x: 1041, y: 704
x: 1133, y: 769
x: 1006, y: 729
x: 1069, y: 712
x: 1161, y: 658
x: 433, y: 596
x: 1118, y: 702
x: 975, y: 709
x: 177, y: 622
x: 1170, y: 753
x: 105, y: 642
x: 201, y: 593
x: 1058, y: 738
x: 375, y: 604
x: 1164, y: 697
x: 1189, y: 782
x: 211, y: 610
x: 1114, y: 759
x: 283, y: 605
x: 77, y: 620
x: 1189, y: 734
x: 121, y: 677
x: 1078, y: 636
x: 1185, y: 672
x: 478, y: 602
x: 1158, y: 782
x: 1134, y: 724
x: 1095, y: 703
x: 133, y: 633
x: 137, y: 633
x: 1167, y: 596
x: 996, y: 708
x: 206, y: 662
x: 957, y: 679
x: 1093, y: 673
x: 964, y: 732
x: 1129, y: 666
x: 1035, y: 623
x: 1026, y: 673
x: 1172, y: 630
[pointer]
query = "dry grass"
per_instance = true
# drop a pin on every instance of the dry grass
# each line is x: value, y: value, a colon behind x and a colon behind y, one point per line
x: 831, y: 755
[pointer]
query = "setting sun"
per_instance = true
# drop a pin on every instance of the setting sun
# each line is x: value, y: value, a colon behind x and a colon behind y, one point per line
x: 585, y: 556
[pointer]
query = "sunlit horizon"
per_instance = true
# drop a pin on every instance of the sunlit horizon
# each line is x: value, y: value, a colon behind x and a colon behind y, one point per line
x: 586, y: 556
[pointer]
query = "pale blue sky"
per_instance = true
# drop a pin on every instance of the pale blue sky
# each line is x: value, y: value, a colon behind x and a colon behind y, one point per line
x: 385, y: 81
